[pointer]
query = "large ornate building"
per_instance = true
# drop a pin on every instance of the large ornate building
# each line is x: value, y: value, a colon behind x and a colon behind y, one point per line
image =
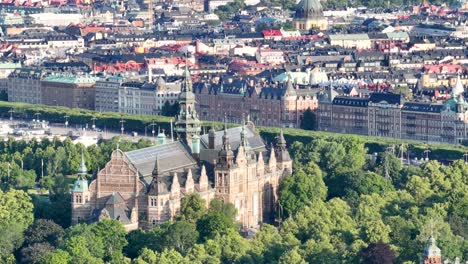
x: 280, y: 104
x: 144, y: 187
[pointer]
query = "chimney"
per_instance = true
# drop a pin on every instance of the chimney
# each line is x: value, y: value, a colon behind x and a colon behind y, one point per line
x: 211, y: 138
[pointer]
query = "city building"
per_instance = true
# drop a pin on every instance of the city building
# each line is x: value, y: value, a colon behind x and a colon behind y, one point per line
x: 24, y: 85
x: 107, y: 94
x: 357, y: 41
x: 387, y: 115
x: 72, y: 91
x: 144, y: 187
x: 6, y: 68
x: 309, y: 15
x: 280, y: 105
x: 137, y: 98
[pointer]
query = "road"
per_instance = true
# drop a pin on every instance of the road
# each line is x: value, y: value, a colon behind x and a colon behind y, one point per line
x: 77, y: 130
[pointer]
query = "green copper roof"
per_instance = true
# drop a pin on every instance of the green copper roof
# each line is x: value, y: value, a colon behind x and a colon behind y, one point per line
x: 9, y: 65
x: 81, y: 185
x: 398, y: 35
x: 349, y: 37
x: 71, y: 79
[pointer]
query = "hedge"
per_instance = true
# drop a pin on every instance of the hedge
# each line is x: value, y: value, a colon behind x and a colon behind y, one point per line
x: 111, y: 121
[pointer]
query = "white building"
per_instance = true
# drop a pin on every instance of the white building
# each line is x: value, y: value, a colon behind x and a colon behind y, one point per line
x: 270, y: 56
x: 107, y: 94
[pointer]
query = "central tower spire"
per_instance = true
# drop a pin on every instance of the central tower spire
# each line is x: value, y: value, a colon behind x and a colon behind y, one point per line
x: 187, y: 125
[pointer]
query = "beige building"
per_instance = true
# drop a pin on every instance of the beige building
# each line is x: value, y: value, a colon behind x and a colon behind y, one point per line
x: 145, y: 187
x: 357, y: 41
x: 309, y: 15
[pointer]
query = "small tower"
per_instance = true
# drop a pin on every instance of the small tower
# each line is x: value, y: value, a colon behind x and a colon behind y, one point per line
x: 458, y: 88
x: 432, y: 254
x: 187, y: 123
x: 80, y: 194
x: 224, y: 169
x: 225, y: 155
x: 282, y: 155
x: 289, y: 99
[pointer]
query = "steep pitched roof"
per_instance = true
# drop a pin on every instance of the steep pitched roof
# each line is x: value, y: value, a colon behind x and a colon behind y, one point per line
x: 171, y: 156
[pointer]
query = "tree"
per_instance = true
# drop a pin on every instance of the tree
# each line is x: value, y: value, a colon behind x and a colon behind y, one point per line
x: 36, y: 253
x: 305, y: 185
x: 227, y: 209
x: 57, y: 257
x: 420, y: 188
x: 212, y: 224
x: 137, y: 241
x: 229, y: 247
x: 112, y: 233
x: 43, y: 230
x: 267, y: 245
x: 181, y: 236
x: 15, y: 216
x: 79, y: 251
x: 83, y: 233
x: 292, y: 257
x: 308, y: 120
x: 193, y: 207
x: 377, y: 253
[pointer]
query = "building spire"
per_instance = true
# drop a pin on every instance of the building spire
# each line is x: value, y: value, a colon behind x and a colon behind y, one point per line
x: 458, y: 88
x: 155, y: 173
x: 281, y: 140
x: 82, y: 170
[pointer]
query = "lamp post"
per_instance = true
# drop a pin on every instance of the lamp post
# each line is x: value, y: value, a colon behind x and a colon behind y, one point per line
x: 426, y: 152
x: 152, y: 129
x: 11, y: 115
x: 122, y: 121
x: 66, y: 121
x: 94, y: 123
x: 37, y: 115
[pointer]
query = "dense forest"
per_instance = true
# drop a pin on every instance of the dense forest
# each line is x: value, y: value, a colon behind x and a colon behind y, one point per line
x: 341, y: 205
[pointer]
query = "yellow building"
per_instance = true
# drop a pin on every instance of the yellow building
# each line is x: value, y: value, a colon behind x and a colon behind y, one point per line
x: 309, y: 15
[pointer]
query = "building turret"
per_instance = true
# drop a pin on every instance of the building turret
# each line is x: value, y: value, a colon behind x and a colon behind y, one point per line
x: 189, y: 183
x: 80, y: 194
x: 226, y: 155
x: 432, y: 254
x: 203, y: 181
x: 187, y: 123
x: 457, y: 89
x: 282, y: 152
x: 290, y: 91
x: 157, y: 185
x: 272, y: 160
x: 175, y: 186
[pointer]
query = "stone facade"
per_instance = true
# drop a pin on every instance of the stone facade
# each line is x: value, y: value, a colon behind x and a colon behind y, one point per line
x: 386, y: 115
x: 266, y: 104
x: 145, y: 187
x: 24, y: 85
x: 68, y: 90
